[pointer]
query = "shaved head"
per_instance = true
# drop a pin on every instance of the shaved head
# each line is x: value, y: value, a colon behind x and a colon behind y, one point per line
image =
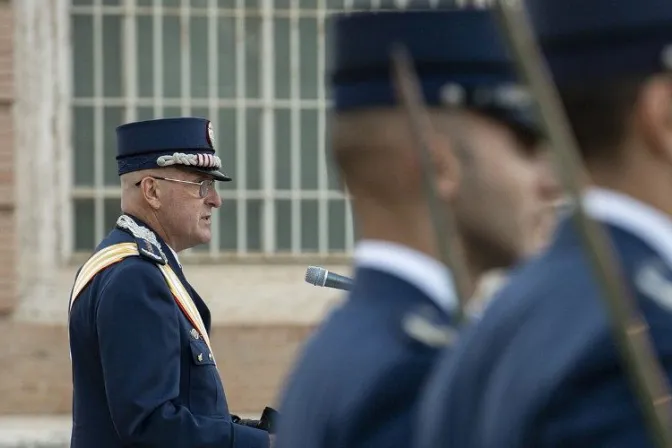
x: 377, y: 156
x: 131, y: 195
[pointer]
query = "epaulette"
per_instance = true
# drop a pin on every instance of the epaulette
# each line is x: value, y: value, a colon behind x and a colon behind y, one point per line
x: 424, y: 325
x: 652, y: 279
x: 148, y: 245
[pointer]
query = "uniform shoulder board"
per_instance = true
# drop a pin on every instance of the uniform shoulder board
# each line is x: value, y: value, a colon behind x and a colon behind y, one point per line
x: 148, y: 244
x: 424, y: 325
x: 652, y: 279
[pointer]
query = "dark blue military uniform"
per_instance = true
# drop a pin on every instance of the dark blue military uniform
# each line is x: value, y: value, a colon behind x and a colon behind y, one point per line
x: 541, y: 369
x: 356, y: 382
x: 143, y: 370
x: 358, y: 375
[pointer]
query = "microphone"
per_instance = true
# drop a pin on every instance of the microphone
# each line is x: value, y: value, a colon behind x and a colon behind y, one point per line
x: 318, y: 276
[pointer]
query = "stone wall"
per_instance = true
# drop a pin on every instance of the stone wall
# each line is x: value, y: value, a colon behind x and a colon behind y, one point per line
x: 8, y: 234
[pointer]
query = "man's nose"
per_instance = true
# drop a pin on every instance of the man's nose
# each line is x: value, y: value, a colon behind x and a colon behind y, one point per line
x: 213, y: 199
x: 549, y: 184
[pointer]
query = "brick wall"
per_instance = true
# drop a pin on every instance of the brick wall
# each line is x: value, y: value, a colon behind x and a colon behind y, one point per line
x: 8, y: 287
x: 36, y: 375
x: 258, y: 329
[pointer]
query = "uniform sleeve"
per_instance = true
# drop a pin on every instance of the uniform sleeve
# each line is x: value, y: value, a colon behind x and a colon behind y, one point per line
x: 139, y: 337
x: 384, y: 415
x: 450, y: 398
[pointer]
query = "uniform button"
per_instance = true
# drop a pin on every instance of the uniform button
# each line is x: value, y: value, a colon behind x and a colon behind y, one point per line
x: 194, y: 333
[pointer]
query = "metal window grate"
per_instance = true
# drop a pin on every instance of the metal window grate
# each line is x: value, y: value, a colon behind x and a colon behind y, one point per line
x: 253, y: 67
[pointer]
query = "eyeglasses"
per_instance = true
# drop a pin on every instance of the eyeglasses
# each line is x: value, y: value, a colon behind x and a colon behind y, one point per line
x: 204, y: 186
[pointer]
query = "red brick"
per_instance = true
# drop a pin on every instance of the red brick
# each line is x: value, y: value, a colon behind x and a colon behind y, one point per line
x: 253, y: 362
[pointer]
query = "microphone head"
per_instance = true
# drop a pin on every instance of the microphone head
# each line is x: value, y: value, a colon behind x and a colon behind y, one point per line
x: 316, y: 275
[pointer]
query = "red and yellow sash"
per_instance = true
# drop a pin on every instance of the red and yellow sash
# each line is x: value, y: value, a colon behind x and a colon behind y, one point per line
x: 116, y: 253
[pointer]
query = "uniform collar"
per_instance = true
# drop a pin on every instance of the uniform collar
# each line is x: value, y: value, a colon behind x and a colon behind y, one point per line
x: 140, y: 229
x: 174, y: 255
x: 425, y: 273
x: 627, y: 213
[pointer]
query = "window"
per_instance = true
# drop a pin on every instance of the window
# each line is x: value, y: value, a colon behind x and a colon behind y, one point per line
x: 253, y: 67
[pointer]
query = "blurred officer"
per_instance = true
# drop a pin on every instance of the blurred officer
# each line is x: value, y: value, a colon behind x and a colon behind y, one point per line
x: 144, y: 372
x: 541, y: 369
x: 356, y: 383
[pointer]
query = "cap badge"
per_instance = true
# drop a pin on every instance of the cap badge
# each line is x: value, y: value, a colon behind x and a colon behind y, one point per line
x: 211, y: 135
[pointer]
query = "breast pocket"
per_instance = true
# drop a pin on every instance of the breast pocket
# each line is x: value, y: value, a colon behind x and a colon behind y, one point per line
x: 206, y: 394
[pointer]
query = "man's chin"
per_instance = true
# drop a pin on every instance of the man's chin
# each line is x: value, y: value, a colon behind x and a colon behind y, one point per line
x: 204, y: 236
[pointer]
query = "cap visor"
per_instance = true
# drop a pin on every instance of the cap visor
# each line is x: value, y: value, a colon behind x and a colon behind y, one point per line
x: 217, y: 175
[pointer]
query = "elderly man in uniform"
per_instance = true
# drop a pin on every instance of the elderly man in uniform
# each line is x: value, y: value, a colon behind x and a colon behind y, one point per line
x: 144, y: 372
x: 541, y: 369
x: 356, y: 382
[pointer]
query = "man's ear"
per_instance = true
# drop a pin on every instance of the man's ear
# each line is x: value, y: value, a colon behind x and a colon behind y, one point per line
x: 151, y: 192
x: 653, y: 116
x: 446, y: 165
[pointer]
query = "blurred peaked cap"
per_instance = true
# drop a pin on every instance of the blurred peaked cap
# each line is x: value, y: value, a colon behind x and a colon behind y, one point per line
x: 601, y: 39
x: 458, y: 55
